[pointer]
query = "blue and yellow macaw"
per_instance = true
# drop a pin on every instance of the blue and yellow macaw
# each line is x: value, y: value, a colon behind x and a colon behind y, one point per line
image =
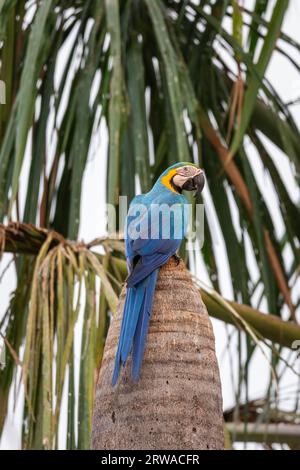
x: 155, y: 227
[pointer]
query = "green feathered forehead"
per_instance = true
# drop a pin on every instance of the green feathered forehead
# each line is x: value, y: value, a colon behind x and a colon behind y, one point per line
x: 178, y: 165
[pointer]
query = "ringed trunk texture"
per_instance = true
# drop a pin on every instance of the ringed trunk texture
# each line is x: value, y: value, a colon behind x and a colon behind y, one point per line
x: 177, y: 403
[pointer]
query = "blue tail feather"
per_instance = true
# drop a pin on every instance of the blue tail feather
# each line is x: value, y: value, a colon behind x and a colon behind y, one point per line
x: 132, y: 320
x: 139, y: 340
x: 135, y: 322
x: 127, y: 307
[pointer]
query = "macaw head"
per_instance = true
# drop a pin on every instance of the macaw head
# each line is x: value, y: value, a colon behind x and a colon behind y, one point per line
x: 183, y: 176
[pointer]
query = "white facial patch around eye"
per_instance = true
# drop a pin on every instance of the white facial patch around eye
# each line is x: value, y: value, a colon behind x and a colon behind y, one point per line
x: 179, y: 180
x: 188, y: 171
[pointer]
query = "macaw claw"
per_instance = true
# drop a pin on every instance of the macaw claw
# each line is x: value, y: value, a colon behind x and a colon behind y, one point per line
x: 177, y: 258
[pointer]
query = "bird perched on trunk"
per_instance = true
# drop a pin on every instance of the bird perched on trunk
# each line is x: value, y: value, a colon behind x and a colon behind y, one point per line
x: 155, y: 227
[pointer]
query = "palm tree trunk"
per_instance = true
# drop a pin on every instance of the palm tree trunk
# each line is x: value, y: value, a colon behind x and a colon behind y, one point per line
x: 177, y: 403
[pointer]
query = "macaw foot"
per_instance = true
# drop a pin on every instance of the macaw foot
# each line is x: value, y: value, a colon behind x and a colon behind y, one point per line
x: 177, y: 258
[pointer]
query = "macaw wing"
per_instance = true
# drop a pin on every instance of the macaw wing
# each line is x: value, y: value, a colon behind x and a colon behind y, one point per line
x: 152, y: 237
x: 159, y: 251
x: 131, y: 221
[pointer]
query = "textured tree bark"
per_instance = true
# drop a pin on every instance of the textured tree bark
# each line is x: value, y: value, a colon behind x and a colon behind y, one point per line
x: 177, y: 403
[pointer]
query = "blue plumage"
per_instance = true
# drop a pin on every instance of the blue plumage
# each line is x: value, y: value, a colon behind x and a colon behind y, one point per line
x: 154, y: 234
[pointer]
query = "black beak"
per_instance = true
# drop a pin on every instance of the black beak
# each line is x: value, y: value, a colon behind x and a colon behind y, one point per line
x: 195, y: 184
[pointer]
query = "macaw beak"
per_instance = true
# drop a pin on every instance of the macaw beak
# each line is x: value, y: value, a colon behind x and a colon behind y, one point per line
x: 195, y: 184
x: 199, y: 182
